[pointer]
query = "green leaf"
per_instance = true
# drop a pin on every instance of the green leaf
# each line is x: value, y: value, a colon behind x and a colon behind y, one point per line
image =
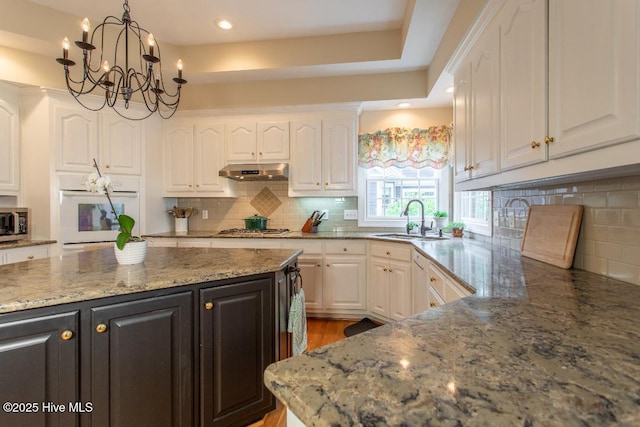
x: 122, y: 239
x: 126, y: 223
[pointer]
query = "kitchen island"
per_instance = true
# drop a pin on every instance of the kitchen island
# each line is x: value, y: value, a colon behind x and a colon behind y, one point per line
x: 535, y: 345
x: 182, y: 339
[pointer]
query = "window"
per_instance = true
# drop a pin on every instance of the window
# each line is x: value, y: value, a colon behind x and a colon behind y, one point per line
x: 474, y: 209
x: 387, y: 191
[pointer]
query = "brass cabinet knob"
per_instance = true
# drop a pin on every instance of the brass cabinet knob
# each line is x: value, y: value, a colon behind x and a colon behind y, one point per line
x: 328, y: 265
x: 260, y: 153
x: 197, y: 185
x: 548, y: 139
x: 326, y: 183
x: 317, y: 183
x: 253, y: 154
x: 391, y: 270
x: 384, y: 269
x: 432, y: 279
x: 388, y: 253
x: 190, y: 185
x: 466, y: 168
x: 433, y: 304
x: 106, y: 166
x: 66, y: 335
x: 208, y: 305
x: 344, y: 249
x: 30, y: 257
x: 101, y: 327
x: 535, y: 144
x: 470, y: 167
x: 318, y: 265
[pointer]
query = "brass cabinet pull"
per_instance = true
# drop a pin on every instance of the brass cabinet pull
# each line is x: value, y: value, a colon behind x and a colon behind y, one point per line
x: 470, y: 167
x: 197, y: 185
x: 384, y: 269
x: 432, y: 279
x: 30, y: 257
x: 101, y: 327
x: 190, y: 185
x: 535, y: 144
x: 328, y: 265
x: 318, y: 265
x: 208, y: 305
x: 548, y: 139
x: 388, y: 253
x: 466, y: 168
x: 66, y: 335
x: 391, y: 270
x: 433, y: 304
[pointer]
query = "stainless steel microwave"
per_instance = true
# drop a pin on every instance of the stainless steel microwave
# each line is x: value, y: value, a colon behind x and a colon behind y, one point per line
x: 15, y: 224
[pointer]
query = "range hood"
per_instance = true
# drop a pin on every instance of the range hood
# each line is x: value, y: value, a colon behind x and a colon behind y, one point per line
x: 256, y: 172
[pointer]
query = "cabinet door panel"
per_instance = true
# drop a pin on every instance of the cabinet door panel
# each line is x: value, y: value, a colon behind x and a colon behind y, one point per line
x: 485, y: 104
x: 306, y: 153
x: 142, y: 365
x: 400, y: 290
x: 237, y: 344
x: 461, y: 118
x: 338, y: 155
x: 312, y: 274
x: 209, y: 157
x: 9, y: 144
x: 345, y: 283
x: 37, y: 365
x: 379, y: 287
x: 273, y: 141
x: 178, y: 159
x: 593, y: 74
x: 76, y: 139
x: 523, y: 65
x: 121, y: 145
x: 241, y: 141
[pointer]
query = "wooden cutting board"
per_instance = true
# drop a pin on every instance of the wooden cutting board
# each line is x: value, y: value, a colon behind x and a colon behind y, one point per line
x: 551, y: 234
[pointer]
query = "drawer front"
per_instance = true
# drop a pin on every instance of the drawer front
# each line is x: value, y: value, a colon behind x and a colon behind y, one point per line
x: 346, y: 247
x: 162, y: 243
x: 397, y: 252
x: 438, y: 281
x: 308, y: 246
x: 27, y: 254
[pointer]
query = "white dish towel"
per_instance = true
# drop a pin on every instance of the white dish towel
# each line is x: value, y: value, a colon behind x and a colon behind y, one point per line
x: 298, y: 323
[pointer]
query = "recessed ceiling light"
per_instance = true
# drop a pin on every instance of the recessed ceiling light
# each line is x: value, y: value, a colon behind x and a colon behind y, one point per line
x: 403, y: 105
x: 225, y: 24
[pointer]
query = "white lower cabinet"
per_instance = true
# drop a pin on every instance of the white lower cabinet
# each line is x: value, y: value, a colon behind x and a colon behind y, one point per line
x: 10, y: 256
x: 390, y: 293
x: 345, y: 284
x: 420, y: 282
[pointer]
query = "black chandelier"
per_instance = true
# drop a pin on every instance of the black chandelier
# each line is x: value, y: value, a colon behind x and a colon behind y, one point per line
x: 117, y: 81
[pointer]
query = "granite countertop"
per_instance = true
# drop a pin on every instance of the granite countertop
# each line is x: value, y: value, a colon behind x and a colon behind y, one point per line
x: 24, y: 243
x: 96, y: 274
x: 535, y: 345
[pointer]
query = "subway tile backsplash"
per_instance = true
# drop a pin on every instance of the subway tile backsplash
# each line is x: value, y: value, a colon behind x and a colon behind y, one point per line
x: 609, y: 240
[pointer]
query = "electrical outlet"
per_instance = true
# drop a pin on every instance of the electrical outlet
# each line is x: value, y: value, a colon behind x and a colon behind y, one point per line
x: 496, y: 218
x: 326, y: 214
x: 205, y: 214
x: 350, y: 214
x: 511, y: 219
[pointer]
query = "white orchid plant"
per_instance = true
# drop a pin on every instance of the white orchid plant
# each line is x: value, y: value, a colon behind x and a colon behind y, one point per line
x: 97, y: 183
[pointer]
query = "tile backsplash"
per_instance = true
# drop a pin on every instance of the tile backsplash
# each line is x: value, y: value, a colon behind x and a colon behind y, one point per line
x: 291, y: 213
x: 609, y: 240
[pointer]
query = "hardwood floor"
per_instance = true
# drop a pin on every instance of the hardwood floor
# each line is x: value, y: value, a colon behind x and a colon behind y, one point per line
x: 320, y: 332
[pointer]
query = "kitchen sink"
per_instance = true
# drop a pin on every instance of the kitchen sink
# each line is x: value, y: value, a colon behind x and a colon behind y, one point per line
x: 411, y: 236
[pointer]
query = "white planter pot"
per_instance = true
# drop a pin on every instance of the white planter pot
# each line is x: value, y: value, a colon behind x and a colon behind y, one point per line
x: 441, y: 222
x: 132, y: 253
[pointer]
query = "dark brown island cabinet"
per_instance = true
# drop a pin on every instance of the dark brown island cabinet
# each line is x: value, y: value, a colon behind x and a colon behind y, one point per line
x: 182, y: 357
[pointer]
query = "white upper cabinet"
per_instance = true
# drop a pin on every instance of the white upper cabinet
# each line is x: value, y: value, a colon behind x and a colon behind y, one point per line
x: 523, y: 71
x: 120, y: 145
x: 477, y: 110
x: 83, y: 135
x: 569, y: 93
x: 273, y: 141
x: 323, y: 151
x: 9, y: 139
x: 76, y: 134
x: 193, y: 155
x: 251, y: 141
x: 306, y: 155
x: 593, y: 74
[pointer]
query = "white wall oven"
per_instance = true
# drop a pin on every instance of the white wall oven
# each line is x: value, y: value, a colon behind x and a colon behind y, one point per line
x: 86, y: 219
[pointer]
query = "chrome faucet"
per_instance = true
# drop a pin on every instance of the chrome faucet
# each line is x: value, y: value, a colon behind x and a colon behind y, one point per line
x: 423, y: 228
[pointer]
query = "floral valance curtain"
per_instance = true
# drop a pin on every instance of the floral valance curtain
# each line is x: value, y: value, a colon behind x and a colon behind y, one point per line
x: 402, y: 147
